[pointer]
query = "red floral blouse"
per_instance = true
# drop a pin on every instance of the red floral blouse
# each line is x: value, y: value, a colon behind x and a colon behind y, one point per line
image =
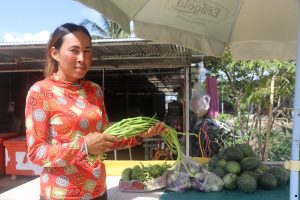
x: 58, y: 115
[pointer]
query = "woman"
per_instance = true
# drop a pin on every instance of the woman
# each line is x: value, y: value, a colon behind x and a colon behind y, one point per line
x: 65, y: 118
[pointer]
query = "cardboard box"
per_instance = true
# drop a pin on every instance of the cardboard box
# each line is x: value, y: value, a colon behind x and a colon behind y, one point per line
x: 4, y: 136
x: 16, y: 160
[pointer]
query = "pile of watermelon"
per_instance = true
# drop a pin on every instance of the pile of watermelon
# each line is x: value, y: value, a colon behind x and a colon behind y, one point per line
x: 240, y: 168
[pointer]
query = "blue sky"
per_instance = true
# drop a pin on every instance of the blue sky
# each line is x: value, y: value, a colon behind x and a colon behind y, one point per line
x: 34, y: 20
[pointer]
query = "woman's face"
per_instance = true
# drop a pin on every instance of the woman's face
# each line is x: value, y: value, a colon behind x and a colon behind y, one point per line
x: 74, y: 57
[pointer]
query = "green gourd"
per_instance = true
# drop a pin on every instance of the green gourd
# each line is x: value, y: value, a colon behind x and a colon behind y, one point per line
x: 126, y: 174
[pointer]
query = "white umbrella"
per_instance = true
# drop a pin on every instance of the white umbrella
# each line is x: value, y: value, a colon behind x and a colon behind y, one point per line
x: 254, y: 29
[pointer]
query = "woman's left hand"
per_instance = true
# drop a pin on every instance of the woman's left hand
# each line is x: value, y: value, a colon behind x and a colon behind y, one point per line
x: 157, y: 129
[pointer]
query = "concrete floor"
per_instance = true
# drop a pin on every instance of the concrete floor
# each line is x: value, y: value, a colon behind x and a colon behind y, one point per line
x: 8, y: 182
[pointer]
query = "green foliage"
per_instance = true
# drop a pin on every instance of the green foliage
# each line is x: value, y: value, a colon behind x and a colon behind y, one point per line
x: 107, y: 29
x: 238, y: 137
x: 144, y: 173
x: 280, y: 140
x: 248, y: 82
x: 150, y: 172
x: 245, y: 84
x: 280, y: 146
x: 223, y: 117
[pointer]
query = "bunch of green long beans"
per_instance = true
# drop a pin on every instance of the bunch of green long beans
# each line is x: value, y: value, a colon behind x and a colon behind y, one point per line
x: 131, y: 127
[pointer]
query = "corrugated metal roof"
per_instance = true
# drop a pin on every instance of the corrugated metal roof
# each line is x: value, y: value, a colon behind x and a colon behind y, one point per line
x: 121, y: 53
x: 147, y: 57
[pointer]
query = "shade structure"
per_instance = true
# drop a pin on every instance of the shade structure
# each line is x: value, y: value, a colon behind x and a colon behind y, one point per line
x: 253, y: 29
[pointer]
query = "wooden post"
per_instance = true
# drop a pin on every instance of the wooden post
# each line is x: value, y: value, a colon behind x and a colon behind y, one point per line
x: 270, y: 117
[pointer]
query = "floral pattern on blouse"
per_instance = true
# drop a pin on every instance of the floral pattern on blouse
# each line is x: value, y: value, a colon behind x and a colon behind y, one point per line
x: 58, y: 115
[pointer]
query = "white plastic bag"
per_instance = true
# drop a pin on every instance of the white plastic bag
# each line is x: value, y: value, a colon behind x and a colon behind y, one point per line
x: 178, y: 181
x: 199, y: 104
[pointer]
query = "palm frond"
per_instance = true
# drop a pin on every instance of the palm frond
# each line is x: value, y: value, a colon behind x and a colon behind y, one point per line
x: 107, y: 29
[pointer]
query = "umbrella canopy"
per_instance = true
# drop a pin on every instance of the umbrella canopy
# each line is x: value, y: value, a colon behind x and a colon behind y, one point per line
x: 253, y: 28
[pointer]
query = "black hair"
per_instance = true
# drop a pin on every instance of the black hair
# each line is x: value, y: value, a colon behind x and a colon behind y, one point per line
x: 56, y: 40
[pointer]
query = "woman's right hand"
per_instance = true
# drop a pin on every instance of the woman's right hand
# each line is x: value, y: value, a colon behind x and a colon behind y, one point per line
x: 98, y: 143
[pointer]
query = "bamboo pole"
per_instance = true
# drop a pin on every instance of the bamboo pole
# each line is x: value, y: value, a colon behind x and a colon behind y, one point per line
x: 270, y: 116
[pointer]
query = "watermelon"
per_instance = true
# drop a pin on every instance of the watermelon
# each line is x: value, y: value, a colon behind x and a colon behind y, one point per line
x: 233, y: 167
x: 230, y: 181
x: 218, y: 171
x: 267, y: 181
x: 233, y: 154
x: 280, y: 174
x: 246, y: 183
x: 247, y: 150
x: 250, y: 163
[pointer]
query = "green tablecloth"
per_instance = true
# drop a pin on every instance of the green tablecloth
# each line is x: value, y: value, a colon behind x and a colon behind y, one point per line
x: 281, y: 193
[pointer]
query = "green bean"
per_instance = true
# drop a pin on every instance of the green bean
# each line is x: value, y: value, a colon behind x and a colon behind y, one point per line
x: 131, y: 127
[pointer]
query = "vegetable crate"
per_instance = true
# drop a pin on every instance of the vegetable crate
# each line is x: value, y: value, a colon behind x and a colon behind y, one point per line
x: 16, y: 160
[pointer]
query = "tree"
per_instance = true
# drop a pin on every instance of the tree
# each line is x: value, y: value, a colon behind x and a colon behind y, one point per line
x: 248, y: 84
x: 107, y: 30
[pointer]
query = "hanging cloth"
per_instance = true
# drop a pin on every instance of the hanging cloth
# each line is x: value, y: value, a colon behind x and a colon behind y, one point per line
x: 212, y: 91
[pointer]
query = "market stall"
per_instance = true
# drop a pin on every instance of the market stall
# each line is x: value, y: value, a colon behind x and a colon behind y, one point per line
x: 114, y: 170
x: 29, y: 190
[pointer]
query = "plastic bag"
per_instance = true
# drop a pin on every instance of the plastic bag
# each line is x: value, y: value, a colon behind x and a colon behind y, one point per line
x: 178, y: 181
x: 189, y: 164
x: 199, y: 104
x: 213, y: 183
x: 207, y: 182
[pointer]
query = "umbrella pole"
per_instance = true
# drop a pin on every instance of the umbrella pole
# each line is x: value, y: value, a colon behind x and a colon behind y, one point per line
x: 187, y: 110
x: 294, y: 174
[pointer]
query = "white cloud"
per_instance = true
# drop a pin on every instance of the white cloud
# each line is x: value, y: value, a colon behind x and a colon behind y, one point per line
x: 27, y: 37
